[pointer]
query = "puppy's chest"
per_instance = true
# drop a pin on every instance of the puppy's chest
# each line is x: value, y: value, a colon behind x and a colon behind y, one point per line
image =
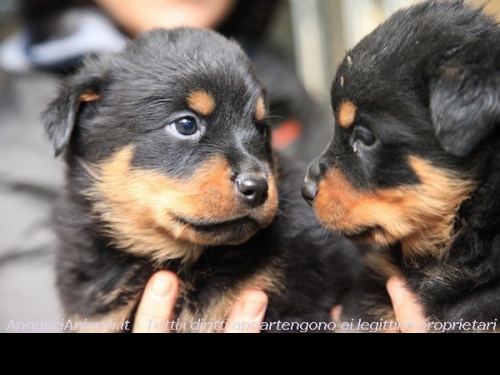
x: 206, y: 300
x: 204, y: 309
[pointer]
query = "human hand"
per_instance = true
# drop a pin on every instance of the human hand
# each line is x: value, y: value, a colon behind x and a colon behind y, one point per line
x: 156, y: 307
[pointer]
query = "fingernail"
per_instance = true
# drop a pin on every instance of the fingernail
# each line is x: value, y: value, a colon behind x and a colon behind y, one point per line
x: 161, y: 287
x: 254, y: 308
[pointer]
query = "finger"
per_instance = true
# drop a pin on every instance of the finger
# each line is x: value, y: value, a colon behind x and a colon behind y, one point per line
x: 407, y: 309
x: 156, y: 308
x: 248, y: 313
x: 336, y: 313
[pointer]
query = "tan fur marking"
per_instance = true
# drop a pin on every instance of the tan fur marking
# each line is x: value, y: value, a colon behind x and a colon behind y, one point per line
x: 268, y: 280
x: 260, y: 109
x: 347, y: 114
x: 419, y: 216
x: 89, y: 96
x: 201, y: 102
x: 379, y: 261
x: 380, y: 314
x: 384, y: 314
x: 130, y: 287
x: 349, y: 60
x: 142, y: 209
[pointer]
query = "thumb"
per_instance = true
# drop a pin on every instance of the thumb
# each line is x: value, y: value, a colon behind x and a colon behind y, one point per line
x: 407, y: 309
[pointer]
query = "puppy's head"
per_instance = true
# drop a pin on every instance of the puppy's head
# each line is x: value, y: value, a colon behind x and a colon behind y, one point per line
x: 169, y: 142
x: 413, y: 103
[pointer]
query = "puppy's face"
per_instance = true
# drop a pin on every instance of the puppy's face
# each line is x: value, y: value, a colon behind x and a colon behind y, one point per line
x: 173, y: 137
x: 409, y: 117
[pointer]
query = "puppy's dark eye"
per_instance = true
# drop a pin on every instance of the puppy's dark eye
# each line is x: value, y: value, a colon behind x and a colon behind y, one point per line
x: 185, y: 126
x: 263, y: 129
x: 363, y: 137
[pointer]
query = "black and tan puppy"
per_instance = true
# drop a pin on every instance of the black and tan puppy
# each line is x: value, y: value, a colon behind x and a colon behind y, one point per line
x: 415, y: 161
x: 170, y: 167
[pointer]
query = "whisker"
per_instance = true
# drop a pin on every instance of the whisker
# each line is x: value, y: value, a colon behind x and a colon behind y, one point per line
x: 280, y: 213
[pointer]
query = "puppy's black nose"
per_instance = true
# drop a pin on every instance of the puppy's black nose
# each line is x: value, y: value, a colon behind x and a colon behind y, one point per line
x: 309, y: 192
x: 252, y: 189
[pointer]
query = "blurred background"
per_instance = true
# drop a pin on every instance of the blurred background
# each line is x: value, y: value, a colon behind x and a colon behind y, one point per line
x: 315, y: 32
x: 295, y: 44
x: 322, y: 30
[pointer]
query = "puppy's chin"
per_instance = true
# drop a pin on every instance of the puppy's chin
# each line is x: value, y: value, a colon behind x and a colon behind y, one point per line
x: 375, y: 234
x: 365, y: 235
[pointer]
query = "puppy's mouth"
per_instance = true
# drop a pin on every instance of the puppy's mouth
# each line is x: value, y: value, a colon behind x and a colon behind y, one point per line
x: 231, y: 232
x: 365, y: 234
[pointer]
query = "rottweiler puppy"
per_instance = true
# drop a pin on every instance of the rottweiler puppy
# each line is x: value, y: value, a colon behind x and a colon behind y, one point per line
x: 414, y: 165
x: 170, y: 166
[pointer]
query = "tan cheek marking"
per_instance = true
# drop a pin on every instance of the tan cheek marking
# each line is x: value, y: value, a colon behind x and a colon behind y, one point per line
x: 340, y: 206
x: 142, y: 208
x: 89, y: 96
x: 207, y: 194
x: 420, y: 216
x: 347, y: 114
x: 135, y: 209
x: 260, y: 109
x: 201, y: 102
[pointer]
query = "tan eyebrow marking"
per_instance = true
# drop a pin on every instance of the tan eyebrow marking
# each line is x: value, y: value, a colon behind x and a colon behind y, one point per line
x: 201, y: 102
x: 260, y: 109
x: 89, y: 96
x: 347, y: 114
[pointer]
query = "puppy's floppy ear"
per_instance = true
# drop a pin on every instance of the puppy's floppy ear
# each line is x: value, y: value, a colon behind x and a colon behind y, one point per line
x: 61, y: 116
x: 465, y: 107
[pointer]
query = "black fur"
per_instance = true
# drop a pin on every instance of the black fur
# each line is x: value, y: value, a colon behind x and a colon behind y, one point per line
x: 132, y: 97
x: 426, y: 85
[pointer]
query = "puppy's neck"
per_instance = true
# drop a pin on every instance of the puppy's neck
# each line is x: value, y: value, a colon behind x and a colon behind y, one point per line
x: 481, y: 212
x: 477, y: 217
x: 432, y: 219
